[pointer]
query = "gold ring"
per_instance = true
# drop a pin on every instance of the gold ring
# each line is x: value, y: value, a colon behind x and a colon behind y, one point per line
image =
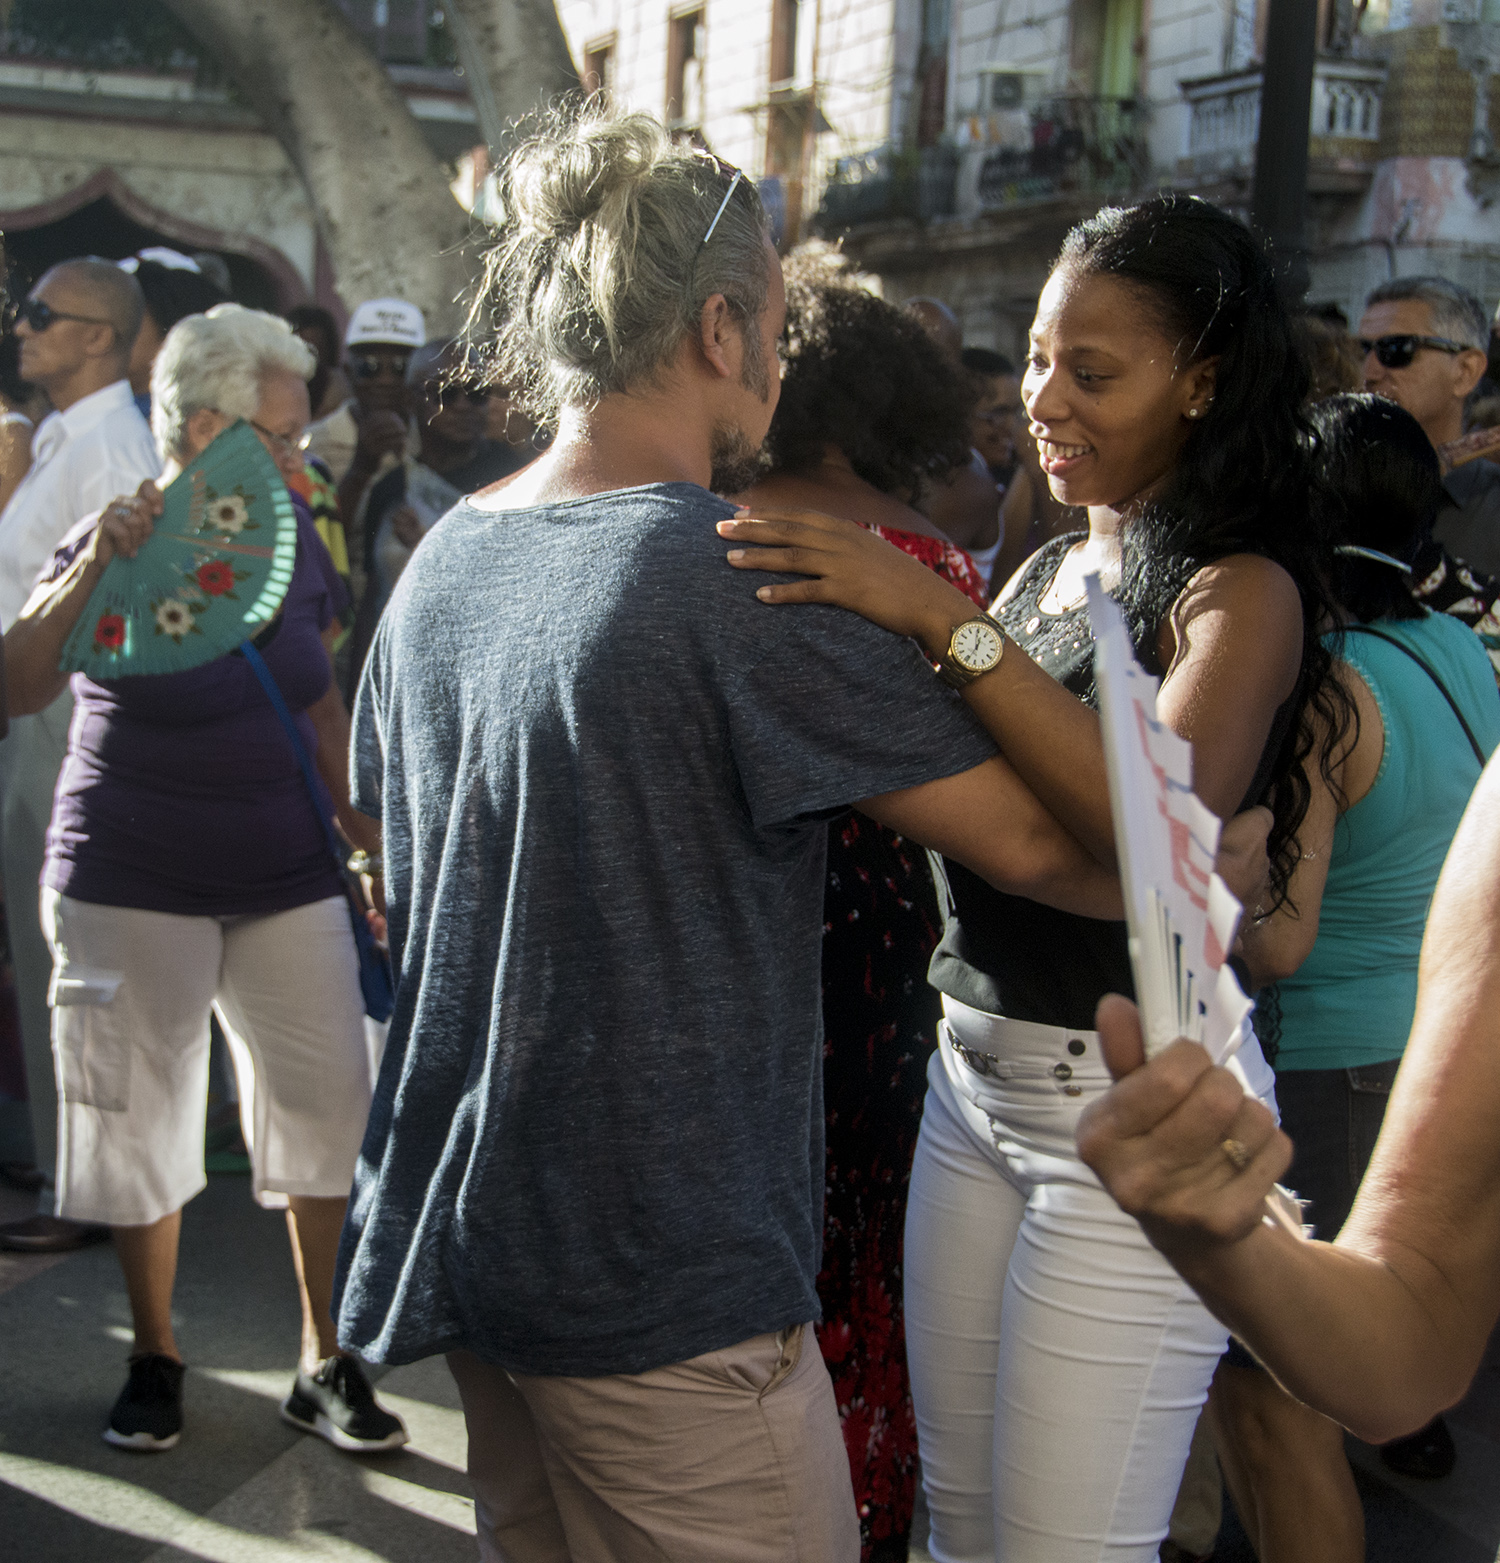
x: 1236, y: 1153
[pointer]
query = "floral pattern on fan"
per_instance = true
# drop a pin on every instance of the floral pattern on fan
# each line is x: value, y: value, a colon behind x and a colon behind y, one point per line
x: 217, y: 578
x: 176, y: 615
x: 229, y: 513
x: 204, y: 581
x: 109, y: 632
x: 175, y: 618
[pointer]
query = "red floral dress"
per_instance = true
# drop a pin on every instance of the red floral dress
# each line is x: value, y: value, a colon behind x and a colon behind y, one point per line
x: 880, y: 925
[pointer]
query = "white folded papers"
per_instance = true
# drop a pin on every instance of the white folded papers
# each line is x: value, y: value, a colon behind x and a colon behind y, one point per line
x: 1181, y: 916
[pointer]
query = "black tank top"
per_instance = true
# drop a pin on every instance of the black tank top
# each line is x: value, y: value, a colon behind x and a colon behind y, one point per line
x: 1010, y: 956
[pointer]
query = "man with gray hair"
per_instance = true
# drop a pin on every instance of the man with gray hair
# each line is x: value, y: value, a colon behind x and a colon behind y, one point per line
x: 76, y: 330
x: 594, y: 1169
x: 1426, y: 345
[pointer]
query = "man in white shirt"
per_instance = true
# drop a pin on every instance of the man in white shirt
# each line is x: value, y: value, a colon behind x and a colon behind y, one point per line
x: 76, y: 330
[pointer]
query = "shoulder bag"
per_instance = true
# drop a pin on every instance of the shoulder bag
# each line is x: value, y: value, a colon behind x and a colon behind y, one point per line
x: 375, y: 981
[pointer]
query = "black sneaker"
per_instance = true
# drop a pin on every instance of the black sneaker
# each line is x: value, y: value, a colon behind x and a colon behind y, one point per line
x: 338, y: 1404
x: 148, y: 1414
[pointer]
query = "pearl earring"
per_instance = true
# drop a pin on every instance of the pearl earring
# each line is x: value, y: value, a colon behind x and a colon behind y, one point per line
x: 1195, y: 412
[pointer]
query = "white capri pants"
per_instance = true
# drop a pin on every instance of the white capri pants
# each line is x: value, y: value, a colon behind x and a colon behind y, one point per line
x: 1058, y: 1362
x: 131, y: 994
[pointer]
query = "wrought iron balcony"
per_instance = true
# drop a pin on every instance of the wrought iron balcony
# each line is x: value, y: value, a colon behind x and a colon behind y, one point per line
x: 888, y: 184
x: 1060, y: 146
x: 1224, y: 121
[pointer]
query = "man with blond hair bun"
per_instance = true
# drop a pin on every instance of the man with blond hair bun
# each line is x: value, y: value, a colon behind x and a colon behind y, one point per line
x: 593, y: 1172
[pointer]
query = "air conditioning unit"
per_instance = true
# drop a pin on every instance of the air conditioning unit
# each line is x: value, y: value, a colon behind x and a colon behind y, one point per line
x: 1004, y: 87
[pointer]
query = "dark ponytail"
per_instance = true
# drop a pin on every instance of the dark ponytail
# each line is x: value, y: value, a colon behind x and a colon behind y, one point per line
x: 1241, y: 482
x: 1377, y: 486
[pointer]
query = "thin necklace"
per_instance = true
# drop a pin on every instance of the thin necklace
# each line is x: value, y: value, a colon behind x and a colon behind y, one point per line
x: 1064, y: 605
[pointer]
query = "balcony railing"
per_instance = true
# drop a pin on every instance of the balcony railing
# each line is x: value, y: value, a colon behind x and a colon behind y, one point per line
x: 1344, y: 119
x: 1063, y: 145
x: 889, y: 184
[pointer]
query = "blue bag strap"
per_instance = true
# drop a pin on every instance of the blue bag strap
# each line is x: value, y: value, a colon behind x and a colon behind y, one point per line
x: 304, y: 761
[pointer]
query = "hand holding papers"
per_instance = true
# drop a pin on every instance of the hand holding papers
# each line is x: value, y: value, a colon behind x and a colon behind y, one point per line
x: 1181, y: 916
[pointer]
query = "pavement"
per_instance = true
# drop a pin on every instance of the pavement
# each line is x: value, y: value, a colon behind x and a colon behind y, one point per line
x: 243, y: 1487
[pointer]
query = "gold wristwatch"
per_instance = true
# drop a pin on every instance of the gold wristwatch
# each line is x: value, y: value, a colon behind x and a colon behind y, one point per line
x: 975, y: 647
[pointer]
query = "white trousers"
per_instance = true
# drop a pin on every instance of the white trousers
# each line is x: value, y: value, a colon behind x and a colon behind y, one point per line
x: 131, y: 993
x: 1058, y: 1362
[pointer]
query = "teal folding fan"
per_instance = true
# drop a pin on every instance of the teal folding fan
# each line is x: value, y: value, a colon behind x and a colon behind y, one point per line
x: 214, y: 571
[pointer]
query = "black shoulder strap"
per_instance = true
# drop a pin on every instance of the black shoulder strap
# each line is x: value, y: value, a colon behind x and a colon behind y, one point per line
x: 1431, y: 672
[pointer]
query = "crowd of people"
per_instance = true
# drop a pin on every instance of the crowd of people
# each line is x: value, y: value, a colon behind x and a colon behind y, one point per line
x: 762, y: 1123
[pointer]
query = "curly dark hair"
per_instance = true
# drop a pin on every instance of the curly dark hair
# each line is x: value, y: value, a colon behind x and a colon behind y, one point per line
x: 864, y: 376
x: 1242, y: 481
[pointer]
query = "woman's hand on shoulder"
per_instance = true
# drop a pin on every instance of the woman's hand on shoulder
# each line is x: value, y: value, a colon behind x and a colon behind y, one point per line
x: 125, y: 523
x: 847, y: 567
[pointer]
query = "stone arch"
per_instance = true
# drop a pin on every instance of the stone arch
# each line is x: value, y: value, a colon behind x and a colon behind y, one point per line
x: 138, y: 223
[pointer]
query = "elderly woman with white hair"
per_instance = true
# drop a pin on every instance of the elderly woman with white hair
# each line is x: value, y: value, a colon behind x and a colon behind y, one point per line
x: 187, y: 870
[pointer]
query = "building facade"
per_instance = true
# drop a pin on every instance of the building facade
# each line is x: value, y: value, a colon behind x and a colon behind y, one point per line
x: 116, y: 135
x: 1057, y: 110
x: 780, y: 88
x: 950, y: 144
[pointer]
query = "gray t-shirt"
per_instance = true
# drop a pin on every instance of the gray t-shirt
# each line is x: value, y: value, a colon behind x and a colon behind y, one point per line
x: 605, y: 772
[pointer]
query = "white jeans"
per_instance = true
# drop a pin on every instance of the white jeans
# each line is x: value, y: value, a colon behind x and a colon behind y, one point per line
x: 1058, y: 1362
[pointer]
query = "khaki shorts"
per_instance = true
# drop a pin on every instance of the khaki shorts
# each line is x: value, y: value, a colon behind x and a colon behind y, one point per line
x: 131, y: 994
x: 733, y: 1457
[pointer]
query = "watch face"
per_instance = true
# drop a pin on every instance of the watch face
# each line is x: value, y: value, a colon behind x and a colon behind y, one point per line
x: 976, y: 647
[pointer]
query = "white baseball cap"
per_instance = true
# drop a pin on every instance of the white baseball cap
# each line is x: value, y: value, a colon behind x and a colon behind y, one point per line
x: 388, y: 320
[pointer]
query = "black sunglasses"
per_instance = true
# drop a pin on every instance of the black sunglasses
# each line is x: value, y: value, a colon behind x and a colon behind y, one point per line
x: 38, y: 314
x: 367, y: 366
x: 1396, y: 352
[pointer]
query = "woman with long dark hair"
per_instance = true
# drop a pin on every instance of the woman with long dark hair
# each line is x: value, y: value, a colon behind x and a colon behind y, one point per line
x: 870, y: 413
x: 1343, y: 950
x: 1058, y: 1363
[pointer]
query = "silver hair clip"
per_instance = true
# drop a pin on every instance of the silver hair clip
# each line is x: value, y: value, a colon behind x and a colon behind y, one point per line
x: 1354, y: 551
x: 733, y: 184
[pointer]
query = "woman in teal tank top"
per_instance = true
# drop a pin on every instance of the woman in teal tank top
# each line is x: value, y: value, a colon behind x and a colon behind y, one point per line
x: 1346, y: 946
x: 1350, y: 1003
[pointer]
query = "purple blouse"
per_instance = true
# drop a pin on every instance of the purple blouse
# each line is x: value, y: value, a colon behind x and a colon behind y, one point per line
x: 180, y: 792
